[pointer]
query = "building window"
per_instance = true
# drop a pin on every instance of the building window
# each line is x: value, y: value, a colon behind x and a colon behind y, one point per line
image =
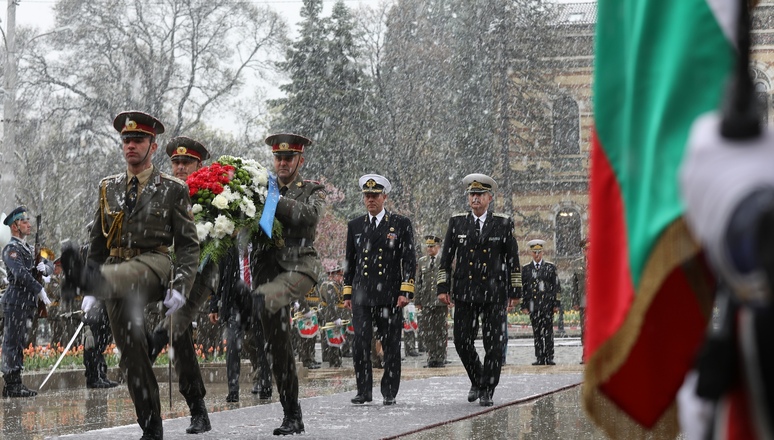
x: 568, y: 232
x: 566, y: 119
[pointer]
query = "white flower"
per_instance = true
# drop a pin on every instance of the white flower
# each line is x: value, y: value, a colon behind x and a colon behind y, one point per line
x: 203, y: 230
x: 220, y: 201
x: 196, y: 208
x: 223, y: 226
x: 229, y: 195
x: 260, y: 177
x: 248, y: 207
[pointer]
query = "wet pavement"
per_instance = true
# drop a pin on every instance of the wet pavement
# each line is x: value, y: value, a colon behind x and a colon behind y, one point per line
x: 530, y: 402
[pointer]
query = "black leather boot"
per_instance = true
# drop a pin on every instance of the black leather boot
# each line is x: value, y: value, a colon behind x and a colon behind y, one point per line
x: 18, y: 390
x: 156, y: 342
x: 152, y: 429
x: 292, y: 423
x: 200, y: 421
x: 72, y: 267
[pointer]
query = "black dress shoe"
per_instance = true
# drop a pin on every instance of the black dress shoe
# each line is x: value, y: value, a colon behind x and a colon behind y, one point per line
x: 18, y: 390
x: 312, y: 365
x: 290, y: 426
x: 388, y: 401
x: 264, y: 393
x: 486, y: 399
x: 550, y: 363
x: 233, y: 396
x: 538, y: 363
x: 473, y: 394
x: 109, y: 382
x: 361, y: 399
x: 413, y: 353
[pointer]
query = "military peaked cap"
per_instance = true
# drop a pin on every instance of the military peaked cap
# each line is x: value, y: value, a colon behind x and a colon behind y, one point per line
x: 185, y: 147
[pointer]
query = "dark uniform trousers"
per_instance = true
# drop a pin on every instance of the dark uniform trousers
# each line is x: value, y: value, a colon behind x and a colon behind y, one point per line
x: 304, y: 345
x: 244, y: 332
x: 388, y: 321
x: 97, y: 338
x: 18, y: 321
x: 543, y: 333
x: 433, y: 329
x: 493, y: 317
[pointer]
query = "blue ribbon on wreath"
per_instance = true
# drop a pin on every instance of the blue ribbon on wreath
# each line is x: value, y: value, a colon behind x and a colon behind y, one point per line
x: 270, y: 207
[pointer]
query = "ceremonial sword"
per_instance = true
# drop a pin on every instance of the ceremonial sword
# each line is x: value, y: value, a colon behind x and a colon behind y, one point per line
x: 69, y: 344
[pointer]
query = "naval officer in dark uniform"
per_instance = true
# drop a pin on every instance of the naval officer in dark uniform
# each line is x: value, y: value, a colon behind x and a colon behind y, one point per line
x: 378, y: 282
x: 20, y: 300
x: 141, y: 213
x: 541, y: 301
x: 480, y: 271
x: 284, y: 275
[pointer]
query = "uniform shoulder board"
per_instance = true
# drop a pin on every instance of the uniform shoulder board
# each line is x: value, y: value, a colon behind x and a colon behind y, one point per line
x: 172, y: 178
x: 497, y: 214
x: 118, y: 176
x: 460, y: 214
x: 313, y: 182
x: 549, y: 262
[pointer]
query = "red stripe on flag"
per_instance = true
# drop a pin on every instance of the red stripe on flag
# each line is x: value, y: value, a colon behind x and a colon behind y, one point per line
x: 610, y: 290
x: 665, y: 348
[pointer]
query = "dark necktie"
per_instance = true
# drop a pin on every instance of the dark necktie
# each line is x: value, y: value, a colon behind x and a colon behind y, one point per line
x: 537, y: 266
x: 131, y: 195
x: 432, y: 262
x: 373, y: 224
x: 478, y: 227
x: 283, y: 190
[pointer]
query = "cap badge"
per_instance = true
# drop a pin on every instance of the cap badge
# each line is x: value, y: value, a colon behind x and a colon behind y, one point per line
x: 370, y: 183
x: 476, y: 185
x: 181, y: 150
x: 131, y: 125
x: 284, y: 146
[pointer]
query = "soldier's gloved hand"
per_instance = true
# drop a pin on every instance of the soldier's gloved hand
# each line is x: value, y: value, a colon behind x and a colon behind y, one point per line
x: 88, y: 302
x: 42, y: 268
x: 173, y: 301
x: 46, y: 279
x: 44, y: 297
x: 337, y: 322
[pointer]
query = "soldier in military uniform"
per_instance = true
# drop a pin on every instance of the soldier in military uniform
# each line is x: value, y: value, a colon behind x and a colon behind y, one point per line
x: 541, y: 301
x: 305, y: 346
x: 333, y: 312
x: 20, y: 300
x: 432, y: 321
x: 378, y: 282
x: 578, y: 296
x: 283, y: 275
x: 486, y: 279
x: 244, y: 332
x: 186, y: 156
x: 141, y: 213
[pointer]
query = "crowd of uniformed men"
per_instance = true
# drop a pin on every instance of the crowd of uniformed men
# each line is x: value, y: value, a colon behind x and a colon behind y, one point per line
x: 127, y: 277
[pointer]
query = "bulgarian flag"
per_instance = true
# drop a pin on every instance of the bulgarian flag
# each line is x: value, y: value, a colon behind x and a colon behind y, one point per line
x: 659, y: 64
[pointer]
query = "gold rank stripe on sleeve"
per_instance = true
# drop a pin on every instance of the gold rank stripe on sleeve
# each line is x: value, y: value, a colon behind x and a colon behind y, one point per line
x: 407, y: 286
x: 347, y: 290
x: 442, y: 276
x: 516, y: 279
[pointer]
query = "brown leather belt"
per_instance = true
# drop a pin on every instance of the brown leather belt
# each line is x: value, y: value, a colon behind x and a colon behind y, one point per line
x: 129, y: 253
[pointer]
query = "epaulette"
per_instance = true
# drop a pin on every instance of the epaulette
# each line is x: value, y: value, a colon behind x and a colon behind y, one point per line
x: 313, y: 181
x: 172, y: 178
x: 113, y: 177
x: 497, y: 214
x: 460, y: 214
x: 549, y: 262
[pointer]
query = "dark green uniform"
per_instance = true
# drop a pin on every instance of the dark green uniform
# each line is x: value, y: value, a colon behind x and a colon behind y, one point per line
x: 432, y: 319
x: 134, y: 246
x: 284, y: 275
x: 333, y: 308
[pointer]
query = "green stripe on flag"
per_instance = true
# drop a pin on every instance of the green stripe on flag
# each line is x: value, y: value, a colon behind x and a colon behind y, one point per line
x: 659, y: 64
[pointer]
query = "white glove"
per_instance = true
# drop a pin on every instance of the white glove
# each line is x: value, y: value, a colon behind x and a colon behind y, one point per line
x: 173, y: 300
x: 308, y: 314
x: 88, y: 303
x: 43, y: 297
x: 296, y: 305
x: 46, y: 279
x: 337, y: 322
x: 42, y: 268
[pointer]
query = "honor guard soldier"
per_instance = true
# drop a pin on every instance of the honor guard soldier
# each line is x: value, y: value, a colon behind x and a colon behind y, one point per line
x: 306, y: 307
x: 334, y: 312
x: 480, y: 271
x: 141, y: 213
x: 378, y: 282
x: 432, y: 321
x: 284, y: 275
x: 186, y: 155
x: 20, y: 300
x: 541, y: 301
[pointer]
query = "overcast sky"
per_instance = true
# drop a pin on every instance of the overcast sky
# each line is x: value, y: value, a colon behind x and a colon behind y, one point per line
x: 38, y: 12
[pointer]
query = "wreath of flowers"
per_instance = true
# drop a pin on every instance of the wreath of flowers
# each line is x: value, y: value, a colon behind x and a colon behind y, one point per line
x: 228, y: 197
